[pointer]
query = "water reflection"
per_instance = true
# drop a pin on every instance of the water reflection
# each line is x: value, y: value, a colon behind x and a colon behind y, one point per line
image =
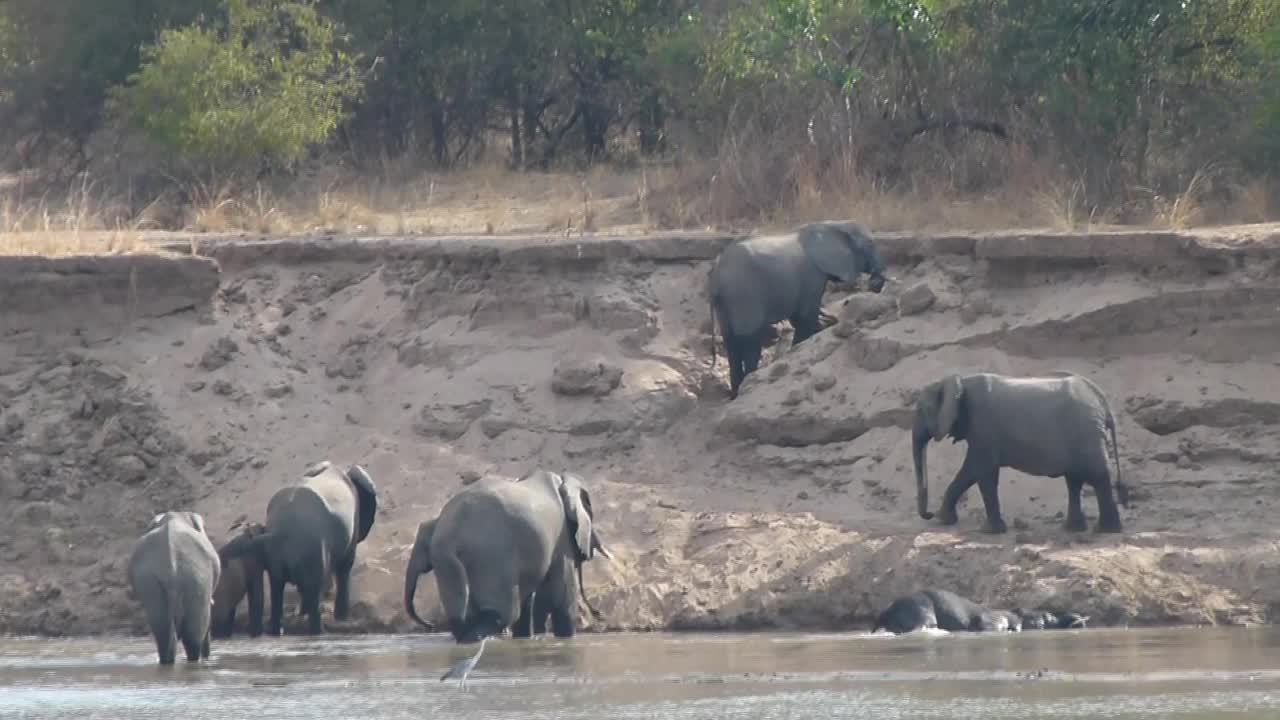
x: 1199, y: 674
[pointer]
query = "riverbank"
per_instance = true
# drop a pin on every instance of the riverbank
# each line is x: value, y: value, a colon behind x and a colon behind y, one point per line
x: 136, y: 383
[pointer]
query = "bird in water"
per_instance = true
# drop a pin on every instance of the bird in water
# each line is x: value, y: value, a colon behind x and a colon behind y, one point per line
x: 462, y: 668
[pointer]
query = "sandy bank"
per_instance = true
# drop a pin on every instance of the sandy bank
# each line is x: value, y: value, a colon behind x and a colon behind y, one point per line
x: 132, y: 384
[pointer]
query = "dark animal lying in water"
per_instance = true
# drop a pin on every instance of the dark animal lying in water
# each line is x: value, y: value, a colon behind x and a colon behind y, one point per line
x: 946, y: 610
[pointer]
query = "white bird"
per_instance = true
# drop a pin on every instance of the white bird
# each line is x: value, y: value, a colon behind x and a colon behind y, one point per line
x: 462, y: 668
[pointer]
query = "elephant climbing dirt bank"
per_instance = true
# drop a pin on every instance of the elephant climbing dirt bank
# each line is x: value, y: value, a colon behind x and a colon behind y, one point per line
x: 173, y: 570
x: 312, y: 532
x: 945, y: 610
x: 506, y: 554
x: 241, y: 576
x: 1052, y: 425
x: 763, y: 280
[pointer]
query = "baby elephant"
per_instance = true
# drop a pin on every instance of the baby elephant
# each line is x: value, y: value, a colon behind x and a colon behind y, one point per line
x: 241, y: 576
x: 173, y: 570
x: 944, y: 610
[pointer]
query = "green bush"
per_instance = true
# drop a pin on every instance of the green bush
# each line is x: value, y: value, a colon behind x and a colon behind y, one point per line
x: 261, y: 91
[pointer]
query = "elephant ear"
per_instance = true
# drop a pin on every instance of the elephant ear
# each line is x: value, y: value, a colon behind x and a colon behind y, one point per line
x: 368, y: 497
x: 948, y: 407
x: 829, y: 249
x: 577, y: 513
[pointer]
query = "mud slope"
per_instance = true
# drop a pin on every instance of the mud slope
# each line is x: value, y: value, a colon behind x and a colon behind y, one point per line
x: 135, y: 385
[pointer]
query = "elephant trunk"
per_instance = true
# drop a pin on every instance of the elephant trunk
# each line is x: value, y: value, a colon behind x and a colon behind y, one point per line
x: 920, y: 437
x: 411, y: 574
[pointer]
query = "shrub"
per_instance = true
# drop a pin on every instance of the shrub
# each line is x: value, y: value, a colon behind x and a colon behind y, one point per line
x: 257, y: 93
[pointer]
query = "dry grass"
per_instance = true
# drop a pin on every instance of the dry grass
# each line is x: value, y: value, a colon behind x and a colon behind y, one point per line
x: 749, y: 184
x: 61, y: 243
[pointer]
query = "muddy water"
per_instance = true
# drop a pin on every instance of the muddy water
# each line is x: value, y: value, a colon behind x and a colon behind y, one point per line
x: 1185, y: 673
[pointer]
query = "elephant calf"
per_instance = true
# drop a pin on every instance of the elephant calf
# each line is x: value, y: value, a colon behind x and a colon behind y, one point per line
x: 502, y: 547
x: 1053, y: 425
x: 173, y: 570
x: 240, y: 576
x: 312, y: 532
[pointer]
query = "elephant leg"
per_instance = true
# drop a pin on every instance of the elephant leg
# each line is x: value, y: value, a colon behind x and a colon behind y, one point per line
x: 970, y: 472
x: 989, y: 488
x: 751, y: 352
x: 1108, y: 513
x: 205, y: 647
x: 191, y: 641
x: 311, y: 591
x: 255, y: 605
x: 523, y: 626
x: 733, y: 353
x: 160, y: 620
x: 540, y: 612
x: 1076, y: 521
x: 558, y: 595
x: 277, y: 604
x: 493, y: 603
x: 803, y: 328
x: 342, y: 595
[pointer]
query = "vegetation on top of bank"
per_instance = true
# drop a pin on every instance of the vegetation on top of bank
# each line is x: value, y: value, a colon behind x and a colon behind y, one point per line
x: 751, y: 111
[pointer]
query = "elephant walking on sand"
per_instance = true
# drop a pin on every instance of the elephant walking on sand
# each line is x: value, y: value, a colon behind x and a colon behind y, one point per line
x: 173, y: 570
x: 1053, y: 425
x: 312, y: 532
x: 763, y: 280
x: 508, y: 554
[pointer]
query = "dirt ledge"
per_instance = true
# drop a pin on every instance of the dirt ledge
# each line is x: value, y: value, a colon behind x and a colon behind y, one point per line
x: 95, y: 297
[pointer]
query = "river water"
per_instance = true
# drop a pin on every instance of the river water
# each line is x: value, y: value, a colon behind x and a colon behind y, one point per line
x: 1191, y: 674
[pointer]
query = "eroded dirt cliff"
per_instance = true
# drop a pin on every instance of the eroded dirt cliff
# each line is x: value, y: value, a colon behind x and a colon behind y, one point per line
x: 130, y: 386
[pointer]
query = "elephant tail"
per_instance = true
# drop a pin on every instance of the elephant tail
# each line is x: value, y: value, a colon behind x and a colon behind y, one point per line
x: 1122, y: 490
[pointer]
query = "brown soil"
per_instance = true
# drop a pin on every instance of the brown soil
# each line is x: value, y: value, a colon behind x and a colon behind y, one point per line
x: 135, y: 384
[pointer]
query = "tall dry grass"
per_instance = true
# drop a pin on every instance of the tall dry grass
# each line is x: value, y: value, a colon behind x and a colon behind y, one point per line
x: 752, y: 182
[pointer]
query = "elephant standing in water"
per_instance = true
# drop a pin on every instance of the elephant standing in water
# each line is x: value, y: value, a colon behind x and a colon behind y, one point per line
x: 506, y: 554
x: 312, y: 532
x: 240, y: 576
x: 763, y: 280
x: 1053, y: 425
x: 173, y: 570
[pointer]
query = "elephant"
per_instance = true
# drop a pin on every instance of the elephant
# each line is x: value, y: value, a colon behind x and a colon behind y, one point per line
x: 173, y: 570
x: 1051, y: 425
x: 944, y: 610
x: 240, y: 576
x: 1048, y: 620
x: 505, y: 554
x: 762, y: 280
x: 312, y: 531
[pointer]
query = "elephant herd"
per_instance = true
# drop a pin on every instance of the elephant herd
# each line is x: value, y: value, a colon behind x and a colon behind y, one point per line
x: 509, y: 554
x: 506, y: 555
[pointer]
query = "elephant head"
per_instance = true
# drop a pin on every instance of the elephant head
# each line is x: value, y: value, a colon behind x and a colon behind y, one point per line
x: 843, y: 251
x: 937, y: 408
x: 579, y: 519
x: 419, y: 563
